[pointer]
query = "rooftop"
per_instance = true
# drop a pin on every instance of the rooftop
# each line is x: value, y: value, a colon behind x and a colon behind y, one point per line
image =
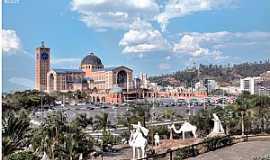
x: 67, y: 70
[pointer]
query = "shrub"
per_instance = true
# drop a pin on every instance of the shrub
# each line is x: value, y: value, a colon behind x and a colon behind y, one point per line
x: 213, y: 143
x: 186, y: 152
x: 25, y: 155
x: 267, y: 157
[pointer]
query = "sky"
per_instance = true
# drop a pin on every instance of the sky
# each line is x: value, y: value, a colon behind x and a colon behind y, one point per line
x: 151, y: 36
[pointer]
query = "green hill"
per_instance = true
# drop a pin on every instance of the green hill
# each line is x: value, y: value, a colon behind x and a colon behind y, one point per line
x: 224, y: 74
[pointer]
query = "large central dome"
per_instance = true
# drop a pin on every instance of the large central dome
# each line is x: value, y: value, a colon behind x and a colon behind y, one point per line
x: 91, y: 59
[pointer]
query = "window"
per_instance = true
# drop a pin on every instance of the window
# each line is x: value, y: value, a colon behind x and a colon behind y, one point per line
x: 246, y: 84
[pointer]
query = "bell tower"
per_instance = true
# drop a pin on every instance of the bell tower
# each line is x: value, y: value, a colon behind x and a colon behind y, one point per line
x: 42, y: 67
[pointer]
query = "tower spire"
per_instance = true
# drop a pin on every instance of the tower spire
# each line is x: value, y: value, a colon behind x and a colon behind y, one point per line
x: 42, y: 44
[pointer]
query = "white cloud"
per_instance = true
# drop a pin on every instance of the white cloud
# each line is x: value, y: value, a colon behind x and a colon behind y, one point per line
x: 164, y: 66
x: 168, y: 58
x: 25, y: 82
x: 10, y: 41
x: 142, y: 38
x: 180, y: 8
x: 114, y: 13
x: 211, y: 44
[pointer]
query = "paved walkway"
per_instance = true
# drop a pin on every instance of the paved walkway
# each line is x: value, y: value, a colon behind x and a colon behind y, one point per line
x: 241, y: 151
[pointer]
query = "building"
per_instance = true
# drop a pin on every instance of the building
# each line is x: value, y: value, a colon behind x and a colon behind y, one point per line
x: 210, y: 85
x: 264, y: 85
x: 256, y: 85
x: 91, y: 76
x: 42, y: 67
x: 102, y: 84
x: 66, y: 80
x: 249, y: 84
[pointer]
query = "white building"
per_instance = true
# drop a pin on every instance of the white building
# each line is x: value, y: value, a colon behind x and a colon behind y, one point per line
x: 250, y: 84
x: 211, y: 85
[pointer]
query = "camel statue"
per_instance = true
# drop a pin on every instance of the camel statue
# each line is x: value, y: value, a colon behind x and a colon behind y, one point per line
x: 186, y: 127
x: 138, y: 141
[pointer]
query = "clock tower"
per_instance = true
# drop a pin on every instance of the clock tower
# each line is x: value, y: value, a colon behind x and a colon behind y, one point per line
x: 42, y: 67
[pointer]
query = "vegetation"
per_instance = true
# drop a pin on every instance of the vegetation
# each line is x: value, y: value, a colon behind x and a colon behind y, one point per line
x: 209, y: 144
x: 29, y: 100
x: 24, y: 155
x: 56, y: 137
x: 249, y: 114
x: 15, y: 133
x: 213, y: 143
x: 60, y: 138
x: 267, y: 157
x: 138, y: 112
x: 224, y: 74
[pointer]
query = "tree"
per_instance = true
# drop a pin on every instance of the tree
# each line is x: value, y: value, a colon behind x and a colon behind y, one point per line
x: 60, y: 139
x: 15, y: 133
x: 203, y: 121
x: 74, y: 143
x: 262, y: 104
x: 169, y: 114
x: 47, y: 137
x: 139, y: 113
x: 244, y: 103
x: 101, y: 122
x: 83, y: 121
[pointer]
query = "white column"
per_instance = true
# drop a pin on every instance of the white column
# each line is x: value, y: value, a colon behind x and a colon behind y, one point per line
x: 127, y: 82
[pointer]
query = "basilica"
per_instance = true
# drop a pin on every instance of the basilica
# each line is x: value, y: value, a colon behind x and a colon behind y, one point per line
x: 108, y: 84
x: 102, y: 84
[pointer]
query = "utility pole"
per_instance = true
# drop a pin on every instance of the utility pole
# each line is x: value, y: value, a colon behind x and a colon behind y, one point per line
x: 242, y: 123
x: 223, y: 98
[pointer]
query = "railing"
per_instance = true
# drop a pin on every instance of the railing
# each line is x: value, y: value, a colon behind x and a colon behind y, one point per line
x: 195, y: 149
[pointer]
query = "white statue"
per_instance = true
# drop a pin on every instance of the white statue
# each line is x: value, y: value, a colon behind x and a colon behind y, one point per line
x: 157, y: 140
x: 186, y: 127
x: 138, y: 141
x: 81, y: 156
x: 45, y: 157
x: 218, y: 129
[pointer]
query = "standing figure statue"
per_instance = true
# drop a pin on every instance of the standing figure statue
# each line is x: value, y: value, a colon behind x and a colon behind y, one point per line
x: 138, y: 140
x: 157, y: 139
x: 218, y: 129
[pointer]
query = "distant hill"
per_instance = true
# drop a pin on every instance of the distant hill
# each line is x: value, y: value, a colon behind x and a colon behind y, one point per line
x: 224, y: 74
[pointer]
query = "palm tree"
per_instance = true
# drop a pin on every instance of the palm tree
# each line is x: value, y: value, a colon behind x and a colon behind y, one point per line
x: 47, y: 137
x: 101, y: 122
x: 67, y: 150
x: 140, y: 113
x: 244, y: 103
x: 83, y: 121
x: 262, y: 104
x: 15, y: 133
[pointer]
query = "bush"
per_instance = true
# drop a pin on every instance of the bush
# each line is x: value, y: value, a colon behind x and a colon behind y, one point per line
x: 214, y: 143
x: 186, y: 152
x: 267, y: 157
x: 25, y: 155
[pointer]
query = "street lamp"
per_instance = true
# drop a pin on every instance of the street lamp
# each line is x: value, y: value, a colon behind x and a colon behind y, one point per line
x: 41, y: 103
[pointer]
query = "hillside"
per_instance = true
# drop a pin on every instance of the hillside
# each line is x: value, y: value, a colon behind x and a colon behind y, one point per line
x: 224, y: 74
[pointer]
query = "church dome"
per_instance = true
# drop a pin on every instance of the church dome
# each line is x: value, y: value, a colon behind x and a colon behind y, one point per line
x: 91, y: 59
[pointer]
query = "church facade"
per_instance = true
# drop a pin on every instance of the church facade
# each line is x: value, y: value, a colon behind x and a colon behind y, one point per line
x: 105, y: 84
x: 102, y: 84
